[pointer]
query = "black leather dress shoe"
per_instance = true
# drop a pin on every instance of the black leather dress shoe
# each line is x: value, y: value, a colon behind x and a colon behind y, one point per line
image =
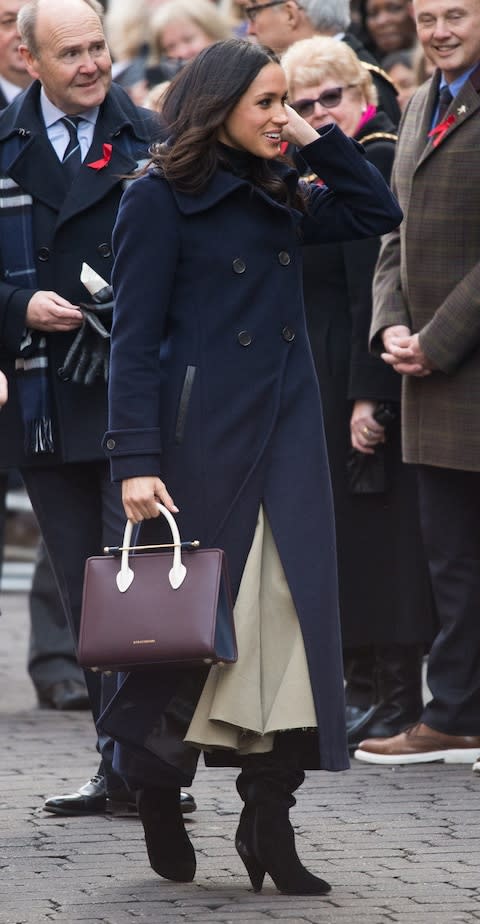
x: 357, y: 721
x: 92, y: 799
x: 64, y: 694
x: 187, y: 803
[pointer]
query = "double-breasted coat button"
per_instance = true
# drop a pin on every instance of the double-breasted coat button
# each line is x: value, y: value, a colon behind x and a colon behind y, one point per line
x: 43, y: 254
x: 288, y: 334
x: 110, y: 444
x: 238, y: 265
x: 104, y: 250
x: 244, y: 338
x: 284, y: 258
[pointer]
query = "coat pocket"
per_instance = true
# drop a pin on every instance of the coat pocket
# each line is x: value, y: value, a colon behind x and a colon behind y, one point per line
x: 184, y: 403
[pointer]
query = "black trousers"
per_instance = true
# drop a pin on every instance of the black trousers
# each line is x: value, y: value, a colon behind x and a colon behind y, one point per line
x: 450, y: 519
x: 51, y: 649
x: 79, y: 511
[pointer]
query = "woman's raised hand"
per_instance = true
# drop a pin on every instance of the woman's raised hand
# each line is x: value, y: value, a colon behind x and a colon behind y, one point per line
x: 141, y: 495
x: 297, y: 131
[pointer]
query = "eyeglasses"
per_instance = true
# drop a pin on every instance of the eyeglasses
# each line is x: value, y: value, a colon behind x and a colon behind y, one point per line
x: 328, y: 99
x: 253, y: 11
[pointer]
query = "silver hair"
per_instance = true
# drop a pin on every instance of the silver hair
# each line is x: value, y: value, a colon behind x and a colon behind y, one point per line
x: 327, y: 16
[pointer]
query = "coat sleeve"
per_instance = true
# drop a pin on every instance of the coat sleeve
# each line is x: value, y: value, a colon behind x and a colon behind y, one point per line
x: 355, y: 202
x: 13, y: 308
x: 454, y: 330
x: 369, y: 378
x: 389, y: 305
x: 142, y: 279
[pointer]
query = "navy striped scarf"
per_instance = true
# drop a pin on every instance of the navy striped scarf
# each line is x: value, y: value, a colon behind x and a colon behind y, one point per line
x: 18, y: 261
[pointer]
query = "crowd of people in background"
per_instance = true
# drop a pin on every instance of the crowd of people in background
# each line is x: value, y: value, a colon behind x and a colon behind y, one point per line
x: 151, y: 39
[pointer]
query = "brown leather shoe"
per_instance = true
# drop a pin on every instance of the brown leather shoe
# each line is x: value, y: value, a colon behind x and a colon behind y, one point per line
x: 420, y: 744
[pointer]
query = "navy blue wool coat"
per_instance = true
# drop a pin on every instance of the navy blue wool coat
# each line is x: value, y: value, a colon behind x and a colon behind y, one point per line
x: 212, y: 381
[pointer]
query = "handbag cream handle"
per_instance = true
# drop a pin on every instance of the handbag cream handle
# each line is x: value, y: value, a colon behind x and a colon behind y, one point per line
x: 178, y: 570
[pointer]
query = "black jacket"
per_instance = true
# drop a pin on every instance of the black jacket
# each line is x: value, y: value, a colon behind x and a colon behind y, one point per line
x: 387, y: 94
x: 70, y: 226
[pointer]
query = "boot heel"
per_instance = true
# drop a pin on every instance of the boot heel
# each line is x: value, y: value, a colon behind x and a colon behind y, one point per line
x: 244, y: 847
x: 274, y: 846
x: 255, y: 871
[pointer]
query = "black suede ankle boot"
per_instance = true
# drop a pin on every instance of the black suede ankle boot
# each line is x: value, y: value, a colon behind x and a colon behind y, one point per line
x: 169, y: 849
x: 265, y: 839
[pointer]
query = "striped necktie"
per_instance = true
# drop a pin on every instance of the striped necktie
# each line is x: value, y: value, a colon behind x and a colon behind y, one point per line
x: 72, y: 157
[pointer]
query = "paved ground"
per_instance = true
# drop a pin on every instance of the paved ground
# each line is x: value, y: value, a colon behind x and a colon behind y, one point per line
x: 398, y: 845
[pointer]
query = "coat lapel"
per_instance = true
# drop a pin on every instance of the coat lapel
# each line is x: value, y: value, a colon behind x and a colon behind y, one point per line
x: 91, y: 185
x: 463, y: 107
x: 36, y: 168
x: 38, y: 171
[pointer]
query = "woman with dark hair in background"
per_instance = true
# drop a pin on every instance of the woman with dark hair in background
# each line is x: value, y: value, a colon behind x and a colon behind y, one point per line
x: 214, y: 406
x: 389, y: 26
x: 383, y: 580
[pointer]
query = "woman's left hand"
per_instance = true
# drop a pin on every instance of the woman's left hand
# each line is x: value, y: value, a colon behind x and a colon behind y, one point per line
x: 365, y: 431
x: 297, y: 131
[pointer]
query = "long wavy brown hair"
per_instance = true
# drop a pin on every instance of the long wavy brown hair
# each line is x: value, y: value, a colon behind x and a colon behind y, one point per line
x: 196, y: 105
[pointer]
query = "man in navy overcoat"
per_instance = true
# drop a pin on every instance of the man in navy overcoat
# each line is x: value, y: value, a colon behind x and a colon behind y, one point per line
x: 50, y: 225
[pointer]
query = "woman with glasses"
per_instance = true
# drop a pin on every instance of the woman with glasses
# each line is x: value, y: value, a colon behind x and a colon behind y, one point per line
x: 384, y: 590
x: 215, y: 409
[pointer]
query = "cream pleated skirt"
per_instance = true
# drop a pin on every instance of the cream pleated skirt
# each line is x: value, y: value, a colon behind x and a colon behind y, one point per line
x: 268, y: 689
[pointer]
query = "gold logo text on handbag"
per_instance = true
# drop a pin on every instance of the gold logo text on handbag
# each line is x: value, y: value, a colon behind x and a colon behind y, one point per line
x: 144, y: 641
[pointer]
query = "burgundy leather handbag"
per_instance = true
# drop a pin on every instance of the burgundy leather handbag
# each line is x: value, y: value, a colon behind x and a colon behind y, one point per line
x: 151, y: 608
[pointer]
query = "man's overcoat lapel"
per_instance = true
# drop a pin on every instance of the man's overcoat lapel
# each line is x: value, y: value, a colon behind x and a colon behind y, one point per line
x: 38, y: 171
x: 92, y: 184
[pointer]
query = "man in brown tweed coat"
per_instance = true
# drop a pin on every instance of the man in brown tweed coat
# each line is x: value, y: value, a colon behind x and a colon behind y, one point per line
x: 426, y: 324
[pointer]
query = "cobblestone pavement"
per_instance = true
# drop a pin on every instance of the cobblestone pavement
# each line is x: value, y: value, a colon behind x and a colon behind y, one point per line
x: 398, y: 845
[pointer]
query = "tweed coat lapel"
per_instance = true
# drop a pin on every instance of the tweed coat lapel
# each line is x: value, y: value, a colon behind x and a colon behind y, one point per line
x: 464, y: 106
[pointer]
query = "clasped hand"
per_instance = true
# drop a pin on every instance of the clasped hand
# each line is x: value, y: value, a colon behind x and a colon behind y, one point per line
x: 404, y: 353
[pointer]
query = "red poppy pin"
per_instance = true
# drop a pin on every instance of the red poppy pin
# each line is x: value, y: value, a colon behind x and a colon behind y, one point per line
x: 104, y: 161
x: 439, y: 131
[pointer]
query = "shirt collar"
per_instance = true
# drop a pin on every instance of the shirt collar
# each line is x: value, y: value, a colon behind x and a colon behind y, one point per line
x: 10, y: 90
x: 456, y: 85
x: 52, y: 113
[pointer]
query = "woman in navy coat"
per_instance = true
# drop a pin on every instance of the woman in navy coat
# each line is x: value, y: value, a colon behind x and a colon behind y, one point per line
x: 215, y: 407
